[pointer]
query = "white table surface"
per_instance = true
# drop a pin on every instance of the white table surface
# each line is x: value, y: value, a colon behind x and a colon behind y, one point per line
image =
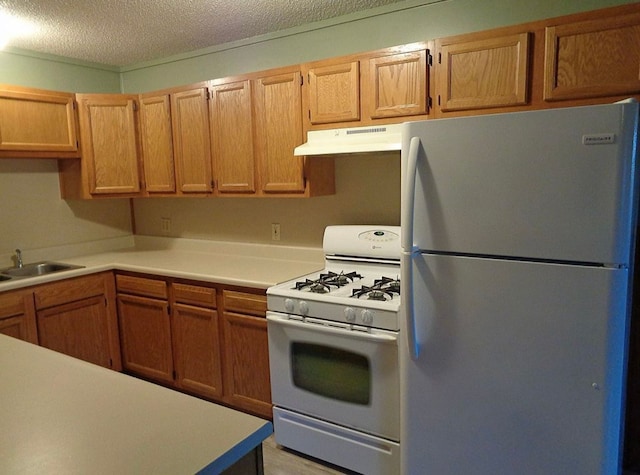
x: 61, y: 415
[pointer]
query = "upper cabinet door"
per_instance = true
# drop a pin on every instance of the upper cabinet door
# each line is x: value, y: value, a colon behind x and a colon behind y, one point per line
x: 593, y: 58
x: 32, y: 120
x: 334, y: 93
x: 278, y: 110
x: 482, y: 73
x: 191, y: 140
x: 397, y: 85
x: 232, y: 137
x: 109, y: 145
x: 157, y: 144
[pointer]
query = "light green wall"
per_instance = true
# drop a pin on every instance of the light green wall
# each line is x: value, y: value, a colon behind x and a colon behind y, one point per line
x: 404, y: 22
x: 60, y: 74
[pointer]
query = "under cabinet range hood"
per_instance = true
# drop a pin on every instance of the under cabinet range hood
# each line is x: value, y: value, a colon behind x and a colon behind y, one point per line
x: 381, y: 138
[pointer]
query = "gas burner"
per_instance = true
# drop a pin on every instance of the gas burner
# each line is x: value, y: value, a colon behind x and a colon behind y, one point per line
x: 327, y: 282
x: 376, y: 295
x: 382, y: 289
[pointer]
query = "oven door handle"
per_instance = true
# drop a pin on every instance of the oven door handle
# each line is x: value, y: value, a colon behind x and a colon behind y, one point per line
x: 332, y: 330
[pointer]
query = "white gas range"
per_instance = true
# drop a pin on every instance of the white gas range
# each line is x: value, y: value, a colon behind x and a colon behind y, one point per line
x: 359, y: 286
x: 333, y: 352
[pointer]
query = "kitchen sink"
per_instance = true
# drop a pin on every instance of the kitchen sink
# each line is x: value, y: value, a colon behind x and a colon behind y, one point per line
x: 35, y: 269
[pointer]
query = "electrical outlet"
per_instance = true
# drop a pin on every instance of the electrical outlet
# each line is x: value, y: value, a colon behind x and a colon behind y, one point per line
x: 165, y: 225
x: 275, y: 231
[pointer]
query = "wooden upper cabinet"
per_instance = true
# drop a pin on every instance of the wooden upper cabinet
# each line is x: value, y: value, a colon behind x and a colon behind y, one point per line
x: 593, y: 58
x: 157, y: 144
x: 191, y: 140
x: 482, y: 73
x: 396, y: 85
x: 278, y: 120
x: 37, y: 123
x: 108, y: 130
x: 334, y: 93
x: 232, y: 137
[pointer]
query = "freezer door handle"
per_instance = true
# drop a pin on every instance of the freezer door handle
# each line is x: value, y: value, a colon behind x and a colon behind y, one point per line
x: 408, y: 195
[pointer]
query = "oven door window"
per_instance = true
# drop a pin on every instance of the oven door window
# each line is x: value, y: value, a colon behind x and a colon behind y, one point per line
x: 331, y: 372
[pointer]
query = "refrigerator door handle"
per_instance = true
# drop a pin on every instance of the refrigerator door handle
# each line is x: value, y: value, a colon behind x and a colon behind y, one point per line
x: 408, y: 249
x: 406, y: 265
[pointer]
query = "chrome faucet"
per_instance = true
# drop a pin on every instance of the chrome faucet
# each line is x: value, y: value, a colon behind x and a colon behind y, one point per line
x: 18, y: 258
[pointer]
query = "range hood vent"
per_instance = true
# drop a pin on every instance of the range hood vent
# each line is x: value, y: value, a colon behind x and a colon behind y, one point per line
x: 381, y: 138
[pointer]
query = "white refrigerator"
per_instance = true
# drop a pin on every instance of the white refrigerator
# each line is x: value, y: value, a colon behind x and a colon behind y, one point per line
x: 518, y: 235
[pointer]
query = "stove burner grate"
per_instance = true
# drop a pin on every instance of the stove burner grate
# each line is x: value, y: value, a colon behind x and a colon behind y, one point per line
x: 382, y: 289
x: 327, y: 281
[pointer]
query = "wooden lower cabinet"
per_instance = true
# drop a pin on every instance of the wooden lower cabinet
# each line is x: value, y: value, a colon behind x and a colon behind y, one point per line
x: 77, y: 317
x: 205, y: 339
x: 247, y: 383
x: 196, y: 339
x: 17, y: 315
x: 145, y: 336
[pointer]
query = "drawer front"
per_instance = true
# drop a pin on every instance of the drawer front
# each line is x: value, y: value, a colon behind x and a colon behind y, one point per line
x: 244, y: 302
x: 142, y: 286
x: 13, y: 303
x: 195, y: 295
x: 69, y: 290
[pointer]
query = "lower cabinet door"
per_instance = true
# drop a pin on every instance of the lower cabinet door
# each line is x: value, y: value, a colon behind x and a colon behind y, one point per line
x: 196, y: 346
x: 15, y: 327
x: 145, y: 336
x: 78, y: 329
x: 246, y: 353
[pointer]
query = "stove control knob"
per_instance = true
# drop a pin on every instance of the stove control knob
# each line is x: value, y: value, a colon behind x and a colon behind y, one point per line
x: 350, y: 314
x: 367, y: 316
x: 304, y: 307
x: 288, y: 305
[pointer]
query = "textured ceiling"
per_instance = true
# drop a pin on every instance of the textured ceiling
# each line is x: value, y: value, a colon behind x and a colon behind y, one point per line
x: 124, y: 32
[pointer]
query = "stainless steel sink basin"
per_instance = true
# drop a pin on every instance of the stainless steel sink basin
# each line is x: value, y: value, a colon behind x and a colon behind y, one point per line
x: 4, y: 277
x: 36, y: 269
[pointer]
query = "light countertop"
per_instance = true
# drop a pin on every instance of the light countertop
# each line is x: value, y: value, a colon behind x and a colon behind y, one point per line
x: 242, y: 264
x: 62, y: 415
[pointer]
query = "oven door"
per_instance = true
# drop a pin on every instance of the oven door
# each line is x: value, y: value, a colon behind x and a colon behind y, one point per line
x: 336, y: 374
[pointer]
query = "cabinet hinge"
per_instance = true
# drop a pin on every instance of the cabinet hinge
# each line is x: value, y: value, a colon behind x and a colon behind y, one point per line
x: 168, y: 309
x: 174, y: 374
x: 439, y: 58
x: 430, y: 102
x: 106, y: 303
x: 213, y: 184
x: 135, y: 106
x: 110, y: 362
x: 301, y: 80
x: 74, y: 105
x: 429, y: 59
x: 207, y: 93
